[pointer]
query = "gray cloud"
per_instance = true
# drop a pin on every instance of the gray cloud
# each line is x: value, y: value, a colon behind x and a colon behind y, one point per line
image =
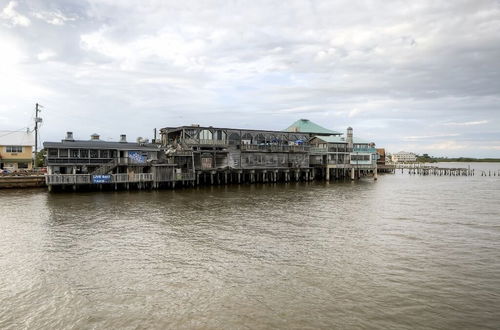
x: 390, y: 69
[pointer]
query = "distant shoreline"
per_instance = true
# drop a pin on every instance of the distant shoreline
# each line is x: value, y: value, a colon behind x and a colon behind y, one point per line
x: 458, y: 160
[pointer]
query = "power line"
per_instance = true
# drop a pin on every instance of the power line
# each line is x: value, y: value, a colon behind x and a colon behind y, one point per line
x: 15, y: 131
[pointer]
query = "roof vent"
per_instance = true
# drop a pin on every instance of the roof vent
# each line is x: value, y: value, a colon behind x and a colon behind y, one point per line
x: 94, y: 137
x: 69, y: 136
x: 123, y: 138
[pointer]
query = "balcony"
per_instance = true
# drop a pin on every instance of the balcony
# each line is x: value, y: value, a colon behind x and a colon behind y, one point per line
x: 365, y: 150
x: 205, y: 142
x: 273, y: 148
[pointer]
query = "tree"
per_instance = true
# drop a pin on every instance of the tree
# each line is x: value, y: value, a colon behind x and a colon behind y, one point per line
x: 40, y: 158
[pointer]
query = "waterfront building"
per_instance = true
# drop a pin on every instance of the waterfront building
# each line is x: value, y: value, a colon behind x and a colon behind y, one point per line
x: 192, y: 155
x: 404, y: 157
x: 221, y: 154
x: 16, y: 150
x: 303, y: 150
x: 336, y: 155
x: 95, y: 161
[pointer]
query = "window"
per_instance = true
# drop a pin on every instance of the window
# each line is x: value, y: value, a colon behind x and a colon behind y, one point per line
x: 94, y: 153
x: 63, y: 152
x: 205, y: 135
x: 104, y: 153
x: 53, y: 153
x: 84, y: 153
x: 14, y: 149
x: 73, y: 153
x: 220, y: 135
x: 22, y: 165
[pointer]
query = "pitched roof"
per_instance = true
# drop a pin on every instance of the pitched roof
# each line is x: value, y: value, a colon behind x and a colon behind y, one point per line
x: 340, y: 139
x: 99, y: 144
x: 16, y: 138
x: 307, y: 126
x: 331, y: 139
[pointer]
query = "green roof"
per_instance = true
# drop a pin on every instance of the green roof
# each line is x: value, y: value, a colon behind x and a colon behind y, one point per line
x: 307, y: 126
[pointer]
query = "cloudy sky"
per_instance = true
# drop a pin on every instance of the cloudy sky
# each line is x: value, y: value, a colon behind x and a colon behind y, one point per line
x: 420, y: 76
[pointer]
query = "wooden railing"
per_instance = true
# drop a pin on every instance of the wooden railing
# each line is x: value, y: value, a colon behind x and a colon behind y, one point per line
x: 183, y: 176
x: 204, y: 142
x: 273, y: 148
x: 62, y: 179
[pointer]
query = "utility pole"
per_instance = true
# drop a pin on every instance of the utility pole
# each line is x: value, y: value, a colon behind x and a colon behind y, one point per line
x: 37, y: 120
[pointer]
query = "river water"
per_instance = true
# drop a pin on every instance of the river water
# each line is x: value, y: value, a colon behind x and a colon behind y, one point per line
x: 404, y: 252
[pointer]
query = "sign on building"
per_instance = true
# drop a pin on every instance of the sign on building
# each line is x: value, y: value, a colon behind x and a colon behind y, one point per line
x: 103, y: 178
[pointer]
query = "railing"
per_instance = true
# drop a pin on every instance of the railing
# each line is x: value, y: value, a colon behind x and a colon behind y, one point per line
x: 366, y: 150
x: 186, y: 153
x: 273, y: 148
x: 62, y: 179
x: 183, y: 176
x: 204, y: 142
x: 316, y: 150
x: 73, y: 160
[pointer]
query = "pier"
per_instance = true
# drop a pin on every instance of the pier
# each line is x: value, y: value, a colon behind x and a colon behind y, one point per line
x: 420, y: 169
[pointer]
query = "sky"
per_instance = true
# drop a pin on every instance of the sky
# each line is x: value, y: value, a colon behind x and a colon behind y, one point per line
x: 420, y: 76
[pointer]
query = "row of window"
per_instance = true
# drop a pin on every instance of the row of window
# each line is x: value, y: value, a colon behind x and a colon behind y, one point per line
x: 82, y: 153
x: 14, y: 149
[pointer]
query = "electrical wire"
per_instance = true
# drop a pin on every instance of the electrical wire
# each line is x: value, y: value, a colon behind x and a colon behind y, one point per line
x: 15, y: 131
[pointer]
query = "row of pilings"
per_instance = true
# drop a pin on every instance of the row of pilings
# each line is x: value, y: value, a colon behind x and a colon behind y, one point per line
x: 440, y: 171
x: 490, y: 173
x: 420, y: 169
x: 212, y: 177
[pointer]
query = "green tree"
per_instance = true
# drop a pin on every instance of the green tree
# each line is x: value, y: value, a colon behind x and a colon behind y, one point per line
x: 40, y: 158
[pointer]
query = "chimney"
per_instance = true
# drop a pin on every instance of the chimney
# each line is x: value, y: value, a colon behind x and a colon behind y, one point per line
x: 94, y: 137
x: 69, y: 136
x: 123, y: 138
x: 350, y: 139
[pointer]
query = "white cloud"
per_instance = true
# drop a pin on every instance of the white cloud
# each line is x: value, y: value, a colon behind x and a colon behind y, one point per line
x: 9, y: 13
x: 45, y: 55
x: 468, y: 123
x: 420, y: 137
x: 54, y: 18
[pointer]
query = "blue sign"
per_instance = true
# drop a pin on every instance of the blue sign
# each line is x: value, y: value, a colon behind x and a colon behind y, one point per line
x: 104, y: 178
x: 136, y: 157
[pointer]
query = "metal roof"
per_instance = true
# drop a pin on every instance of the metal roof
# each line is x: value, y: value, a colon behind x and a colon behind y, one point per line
x: 331, y: 139
x: 339, y: 139
x: 97, y: 144
x: 17, y: 138
x: 307, y: 126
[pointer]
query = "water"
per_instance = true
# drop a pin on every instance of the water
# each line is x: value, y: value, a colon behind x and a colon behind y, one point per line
x: 405, y: 252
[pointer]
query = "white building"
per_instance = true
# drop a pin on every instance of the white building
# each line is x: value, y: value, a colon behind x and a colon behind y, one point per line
x: 404, y: 157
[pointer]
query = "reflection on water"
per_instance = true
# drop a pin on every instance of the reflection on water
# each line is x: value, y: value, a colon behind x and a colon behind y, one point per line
x: 402, y: 252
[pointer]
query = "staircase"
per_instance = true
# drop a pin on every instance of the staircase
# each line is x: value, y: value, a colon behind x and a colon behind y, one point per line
x: 105, y: 168
x: 234, y: 159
